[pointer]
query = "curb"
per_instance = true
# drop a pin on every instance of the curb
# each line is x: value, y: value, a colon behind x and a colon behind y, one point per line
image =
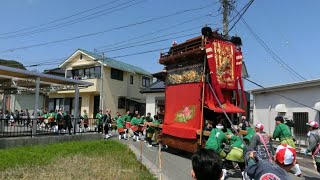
x: 153, y: 168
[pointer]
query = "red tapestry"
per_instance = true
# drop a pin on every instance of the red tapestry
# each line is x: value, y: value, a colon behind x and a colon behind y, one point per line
x: 183, y: 110
x: 222, y: 65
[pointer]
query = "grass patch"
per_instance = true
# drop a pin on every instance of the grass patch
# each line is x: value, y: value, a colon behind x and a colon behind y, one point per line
x: 72, y: 160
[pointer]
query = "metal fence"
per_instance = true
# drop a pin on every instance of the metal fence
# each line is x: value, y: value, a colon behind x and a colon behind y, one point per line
x: 23, y: 127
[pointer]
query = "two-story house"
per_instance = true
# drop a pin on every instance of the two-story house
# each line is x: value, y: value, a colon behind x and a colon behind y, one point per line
x: 121, y: 84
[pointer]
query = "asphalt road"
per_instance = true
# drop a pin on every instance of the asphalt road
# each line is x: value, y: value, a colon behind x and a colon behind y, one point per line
x: 176, y: 165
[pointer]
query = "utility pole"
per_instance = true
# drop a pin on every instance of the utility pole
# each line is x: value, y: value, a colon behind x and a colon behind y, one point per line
x: 225, y: 13
x: 226, y: 7
x: 101, y: 83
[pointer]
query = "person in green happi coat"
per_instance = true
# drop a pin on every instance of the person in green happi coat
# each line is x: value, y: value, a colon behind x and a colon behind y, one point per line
x: 150, y: 129
x: 134, y: 126
x: 250, y: 133
x: 120, y: 127
x: 237, y: 150
x: 216, y: 139
x: 283, y: 132
x: 99, y: 121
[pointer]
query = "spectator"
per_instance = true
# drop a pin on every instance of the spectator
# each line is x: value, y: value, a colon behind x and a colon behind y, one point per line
x: 107, y: 121
x: 68, y: 121
x: 99, y: 121
x: 206, y: 164
x: 245, y: 123
x: 261, y: 143
x: 314, y: 142
x: 257, y: 168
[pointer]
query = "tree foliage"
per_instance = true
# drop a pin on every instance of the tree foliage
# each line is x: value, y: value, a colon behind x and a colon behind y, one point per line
x: 12, y: 63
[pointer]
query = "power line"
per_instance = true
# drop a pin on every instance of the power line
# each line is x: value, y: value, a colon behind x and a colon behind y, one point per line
x: 144, y: 40
x: 108, y: 30
x: 81, y: 19
x: 161, y: 40
x: 60, y: 60
x: 268, y: 90
x: 138, y: 53
x: 156, y: 32
x: 244, y: 9
x: 273, y: 55
x: 60, y: 19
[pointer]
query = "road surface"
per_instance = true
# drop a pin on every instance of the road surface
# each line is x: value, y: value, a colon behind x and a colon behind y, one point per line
x: 176, y: 165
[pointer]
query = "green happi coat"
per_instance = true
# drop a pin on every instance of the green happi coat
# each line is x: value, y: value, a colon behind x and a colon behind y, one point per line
x: 45, y: 116
x: 127, y: 118
x: 235, y: 141
x: 141, y: 120
x: 283, y: 132
x: 236, y: 153
x: 134, y: 121
x: 120, y: 122
x: 152, y: 129
x: 99, y: 120
x: 216, y: 138
x: 250, y: 133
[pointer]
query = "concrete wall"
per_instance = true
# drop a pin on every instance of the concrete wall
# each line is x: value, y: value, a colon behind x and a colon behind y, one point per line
x: 151, y: 103
x: 44, y: 140
x: 25, y: 101
x: 264, y: 105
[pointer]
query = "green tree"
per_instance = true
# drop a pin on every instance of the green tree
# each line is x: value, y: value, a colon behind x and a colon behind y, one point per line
x: 12, y: 63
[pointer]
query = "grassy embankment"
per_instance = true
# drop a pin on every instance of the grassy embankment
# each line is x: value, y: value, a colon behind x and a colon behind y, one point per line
x: 72, y: 160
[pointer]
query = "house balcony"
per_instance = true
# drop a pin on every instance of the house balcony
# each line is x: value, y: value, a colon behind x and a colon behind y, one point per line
x: 95, y: 88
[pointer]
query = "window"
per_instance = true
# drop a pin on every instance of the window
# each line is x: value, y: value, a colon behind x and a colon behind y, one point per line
x: 131, y: 79
x: 89, y: 73
x: 97, y: 71
x: 85, y: 73
x: 58, y: 103
x: 116, y: 74
x: 300, y: 119
x: 145, y: 81
x: 81, y: 57
x: 121, y: 102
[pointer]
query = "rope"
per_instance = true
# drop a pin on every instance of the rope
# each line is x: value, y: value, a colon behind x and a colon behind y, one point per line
x: 225, y: 113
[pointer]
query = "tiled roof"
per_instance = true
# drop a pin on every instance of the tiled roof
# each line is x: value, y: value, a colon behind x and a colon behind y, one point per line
x: 117, y: 64
x: 157, y: 86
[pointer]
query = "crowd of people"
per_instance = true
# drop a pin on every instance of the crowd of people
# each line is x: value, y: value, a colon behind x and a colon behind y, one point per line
x: 130, y: 125
x: 21, y: 117
x: 253, y: 153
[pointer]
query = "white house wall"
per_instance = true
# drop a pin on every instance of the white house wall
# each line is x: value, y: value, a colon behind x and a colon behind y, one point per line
x: 151, y: 102
x: 264, y: 105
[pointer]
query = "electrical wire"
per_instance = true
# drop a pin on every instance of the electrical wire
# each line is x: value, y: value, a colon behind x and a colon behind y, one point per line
x: 146, y: 40
x: 71, y: 22
x: 138, y: 53
x: 143, y: 44
x: 108, y: 30
x: 155, y: 32
x: 273, y: 55
x: 244, y: 9
x: 268, y: 90
x: 60, y: 19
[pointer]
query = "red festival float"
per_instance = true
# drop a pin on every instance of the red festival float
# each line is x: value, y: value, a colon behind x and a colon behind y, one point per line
x: 203, y: 79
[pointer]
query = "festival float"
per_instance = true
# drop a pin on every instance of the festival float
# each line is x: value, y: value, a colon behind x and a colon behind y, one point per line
x: 203, y: 82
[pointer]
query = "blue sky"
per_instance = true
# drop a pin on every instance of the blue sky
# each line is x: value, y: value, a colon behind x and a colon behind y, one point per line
x: 288, y: 27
